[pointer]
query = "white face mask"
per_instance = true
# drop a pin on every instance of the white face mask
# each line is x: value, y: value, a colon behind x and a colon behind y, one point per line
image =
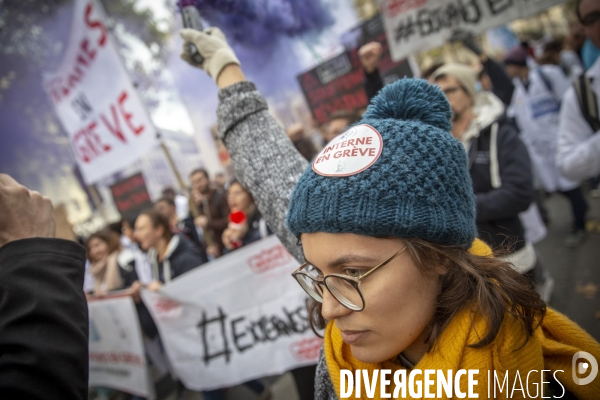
x: 478, y: 87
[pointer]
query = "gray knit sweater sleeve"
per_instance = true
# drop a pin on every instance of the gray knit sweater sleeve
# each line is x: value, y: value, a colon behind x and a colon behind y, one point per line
x: 324, y: 389
x: 264, y: 159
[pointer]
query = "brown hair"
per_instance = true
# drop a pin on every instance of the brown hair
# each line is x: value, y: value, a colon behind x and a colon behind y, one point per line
x: 352, y: 116
x: 487, y: 284
x: 107, y: 236
x: 159, y: 220
x: 200, y: 171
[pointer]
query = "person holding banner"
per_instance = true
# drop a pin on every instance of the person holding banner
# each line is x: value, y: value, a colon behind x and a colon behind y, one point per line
x: 386, y: 218
x: 168, y: 207
x: 43, y: 313
x: 171, y: 255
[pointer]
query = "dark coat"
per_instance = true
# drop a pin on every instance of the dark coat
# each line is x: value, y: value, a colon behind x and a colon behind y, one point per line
x: 187, y: 228
x: 126, y: 261
x: 183, y: 259
x: 502, y: 85
x: 254, y: 233
x: 498, y: 209
x: 44, y: 321
x: 373, y: 83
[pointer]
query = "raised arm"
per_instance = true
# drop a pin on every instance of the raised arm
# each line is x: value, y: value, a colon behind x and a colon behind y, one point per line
x: 264, y: 159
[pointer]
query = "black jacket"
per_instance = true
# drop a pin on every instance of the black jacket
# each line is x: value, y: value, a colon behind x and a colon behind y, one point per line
x: 498, y: 208
x: 502, y: 85
x: 43, y: 321
x: 183, y: 259
x: 373, y: 83
x: 187, y: 228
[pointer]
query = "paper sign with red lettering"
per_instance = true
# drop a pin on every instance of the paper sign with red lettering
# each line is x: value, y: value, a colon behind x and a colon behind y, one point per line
x: 94, y: 99
x: 350, y: 153
x: 116, y: 351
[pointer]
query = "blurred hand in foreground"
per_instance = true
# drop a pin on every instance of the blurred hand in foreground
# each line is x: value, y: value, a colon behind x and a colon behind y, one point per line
x: 24, y: 213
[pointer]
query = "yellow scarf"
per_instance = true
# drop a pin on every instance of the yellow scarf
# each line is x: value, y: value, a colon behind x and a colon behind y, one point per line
x: 551, y: 348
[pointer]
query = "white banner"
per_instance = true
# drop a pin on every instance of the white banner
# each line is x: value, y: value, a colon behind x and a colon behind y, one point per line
x: 117, y: 358
x: 238, y: 318
x: 417, y: 25
x: 95, y: 100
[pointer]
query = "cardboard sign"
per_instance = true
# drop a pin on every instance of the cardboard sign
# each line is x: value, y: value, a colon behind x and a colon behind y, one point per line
x: 95, y: 100
x: 131, y: 196
x: 417, y: 25
x: 338, y: 84
x: 234, y: 319
x: 350, y: 153
x: 117, y: 358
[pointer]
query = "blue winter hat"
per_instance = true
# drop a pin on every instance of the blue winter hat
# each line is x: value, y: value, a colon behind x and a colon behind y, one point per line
x: 398, y: 172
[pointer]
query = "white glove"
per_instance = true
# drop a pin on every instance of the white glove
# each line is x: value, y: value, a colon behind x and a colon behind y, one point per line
x: 212, y: 45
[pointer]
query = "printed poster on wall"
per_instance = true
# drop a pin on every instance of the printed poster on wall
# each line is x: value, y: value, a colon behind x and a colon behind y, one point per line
x: 234, y: 319
x: 106, y: 121
x: 117, y: 358
x: 417, y: 25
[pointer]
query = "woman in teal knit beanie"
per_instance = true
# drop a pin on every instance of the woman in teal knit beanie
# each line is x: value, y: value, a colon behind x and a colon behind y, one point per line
x: 386, y: 219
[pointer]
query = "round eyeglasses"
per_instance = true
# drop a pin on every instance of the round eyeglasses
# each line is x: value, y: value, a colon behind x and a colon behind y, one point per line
x: 345, y: 289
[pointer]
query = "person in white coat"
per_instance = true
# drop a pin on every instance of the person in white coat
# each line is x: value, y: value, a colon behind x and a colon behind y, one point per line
x: 535, y: 105
x: 578, y: 155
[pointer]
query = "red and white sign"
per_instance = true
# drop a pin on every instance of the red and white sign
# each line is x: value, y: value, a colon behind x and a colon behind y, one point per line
x: 95, y: 100
x: 117, y: 357
x: 350, y: 153
x: 234, y: 319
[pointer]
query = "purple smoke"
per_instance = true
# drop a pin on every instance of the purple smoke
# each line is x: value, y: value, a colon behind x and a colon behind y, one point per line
x: 259, y: 23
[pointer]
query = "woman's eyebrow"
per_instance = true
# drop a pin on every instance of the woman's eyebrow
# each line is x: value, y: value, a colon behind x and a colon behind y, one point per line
x: 346, y: 259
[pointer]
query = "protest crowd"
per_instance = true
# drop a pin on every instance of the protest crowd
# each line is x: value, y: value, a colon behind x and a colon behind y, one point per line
x: 412, y: 223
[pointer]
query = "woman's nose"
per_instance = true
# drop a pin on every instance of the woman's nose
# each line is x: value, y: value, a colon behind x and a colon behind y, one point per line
x: 331, y: 308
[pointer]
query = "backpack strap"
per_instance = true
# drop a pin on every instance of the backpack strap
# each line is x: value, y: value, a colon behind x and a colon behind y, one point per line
x: 588, y: 102
x: 548, y: 84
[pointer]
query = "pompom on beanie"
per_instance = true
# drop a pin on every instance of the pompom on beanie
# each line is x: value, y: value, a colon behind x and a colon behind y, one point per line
x: 417, y: 186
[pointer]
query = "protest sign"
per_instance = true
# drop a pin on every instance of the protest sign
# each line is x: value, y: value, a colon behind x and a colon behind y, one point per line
x: 417, y: 25
x: 235, y: 319
x: 338, y: 84
x: 117, y: 358
x: 94, y: 99
x: 131, y: 196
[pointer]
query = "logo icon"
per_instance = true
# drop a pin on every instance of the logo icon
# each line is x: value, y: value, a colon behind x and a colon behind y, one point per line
x: 581, y: 368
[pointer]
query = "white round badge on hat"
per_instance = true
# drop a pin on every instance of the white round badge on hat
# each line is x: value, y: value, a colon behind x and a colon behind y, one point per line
x: 349, y: 153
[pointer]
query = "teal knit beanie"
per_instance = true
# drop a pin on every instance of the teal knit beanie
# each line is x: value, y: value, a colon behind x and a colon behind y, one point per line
x: 398, y: 172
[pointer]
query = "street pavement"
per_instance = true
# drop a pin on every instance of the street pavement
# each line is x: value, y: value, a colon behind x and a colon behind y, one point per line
x: 576, y: 272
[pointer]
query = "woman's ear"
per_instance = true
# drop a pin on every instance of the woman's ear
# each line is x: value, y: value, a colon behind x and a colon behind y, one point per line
x: 442, y: 267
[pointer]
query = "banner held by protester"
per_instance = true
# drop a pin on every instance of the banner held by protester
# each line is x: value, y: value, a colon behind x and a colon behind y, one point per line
x: 235, y: 319
x: 117, y: 358
x: 416, y: 25
x: 96, y: 102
